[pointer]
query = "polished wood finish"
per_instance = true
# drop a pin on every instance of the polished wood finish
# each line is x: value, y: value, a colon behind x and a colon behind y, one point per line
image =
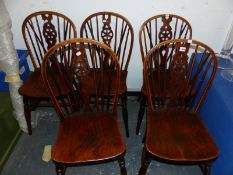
x: 41, y: 30
x: 116, y: 31
x: 190, y: 143
x: 154, y: 30
x: 89, y: 131
x: 88, y: 137
x: 175, y: 131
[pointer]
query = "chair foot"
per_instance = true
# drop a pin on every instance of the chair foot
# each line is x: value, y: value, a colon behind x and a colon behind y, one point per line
x: 145, y: 163
x: 125, y: 112
x: 60, y: 169
x: 27, y: 114
x: 121, y: 161
x: 141, y: 113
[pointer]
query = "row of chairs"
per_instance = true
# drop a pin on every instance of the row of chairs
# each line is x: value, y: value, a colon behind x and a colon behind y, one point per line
x: 88, y: 76
x: 42, y: 30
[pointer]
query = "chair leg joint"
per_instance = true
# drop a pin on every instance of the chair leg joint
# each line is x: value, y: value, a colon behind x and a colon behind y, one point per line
x: 145, y: 163
x: 60, y: 169
x: 121, y: 161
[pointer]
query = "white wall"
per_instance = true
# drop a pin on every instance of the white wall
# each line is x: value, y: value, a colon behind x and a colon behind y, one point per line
x: 210, y: 19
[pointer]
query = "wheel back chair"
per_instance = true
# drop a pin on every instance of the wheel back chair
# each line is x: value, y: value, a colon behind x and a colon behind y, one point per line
x: 89, y: 131
x: 41, y: 30
x: 178, y: 75
x: 153, y: 31
x: 115, y: 31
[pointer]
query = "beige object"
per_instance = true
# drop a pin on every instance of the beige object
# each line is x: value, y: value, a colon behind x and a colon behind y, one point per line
x: 47, y: 153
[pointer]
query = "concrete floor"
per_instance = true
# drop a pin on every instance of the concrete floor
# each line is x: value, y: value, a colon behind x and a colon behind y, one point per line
x: 26, y: 158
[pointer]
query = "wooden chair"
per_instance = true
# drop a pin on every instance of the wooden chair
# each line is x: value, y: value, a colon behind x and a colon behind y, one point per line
x: 89, y: 131
x: 116, y: 31
x: 41, y: 30
x: 175, y: 131
x: 153, y: 31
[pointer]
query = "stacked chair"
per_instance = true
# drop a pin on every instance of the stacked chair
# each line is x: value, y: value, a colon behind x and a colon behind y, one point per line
x: 178, y: 74
x: 41, y: 31
x: 115, y: 31
x: 153, y: 31
x: 89, y: 131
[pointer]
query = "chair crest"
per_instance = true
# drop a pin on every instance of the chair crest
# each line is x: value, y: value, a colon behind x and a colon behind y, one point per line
x: 166, y: 29
x: 106, y: 33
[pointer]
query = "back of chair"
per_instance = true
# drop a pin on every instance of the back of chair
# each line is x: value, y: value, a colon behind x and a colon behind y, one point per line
x: 42, y: 30
x: 79, y: 66
x: 179, y: 72
x: 114, y: 30
x: 162, y: 28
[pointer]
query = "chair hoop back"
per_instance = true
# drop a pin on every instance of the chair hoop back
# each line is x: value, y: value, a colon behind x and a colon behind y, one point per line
x: 76, y: 69
x: 114, y: 30
x: 42, y: 30
x: 179, y: 72
x: 160, y: 28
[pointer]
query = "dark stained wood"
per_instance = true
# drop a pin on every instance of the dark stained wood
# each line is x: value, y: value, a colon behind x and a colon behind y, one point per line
x: 175, y: 131
x: 35, y: 82
x: 160, y: 28
x: 88, y: 137
x: 179, y: 135
x: 154, y: 30
x: 146, y: 160
x: 89, y: 131
x: 111, y: 74
x: 41, y: 30
x: 115, y: 31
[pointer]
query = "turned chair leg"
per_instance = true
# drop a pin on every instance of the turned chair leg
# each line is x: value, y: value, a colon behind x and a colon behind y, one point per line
x: 125, y: 112
x: 144, y: 137
x: 141, y: 113
x: 145, y: 162
x: 121, y: 162
x: 60, y: 168
x: 27, y: 113
x: 139, y: 97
